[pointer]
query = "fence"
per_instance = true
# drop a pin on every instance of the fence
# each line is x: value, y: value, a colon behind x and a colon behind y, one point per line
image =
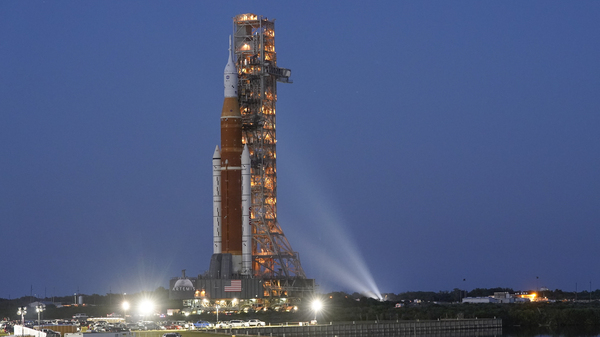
x: 379, y: 329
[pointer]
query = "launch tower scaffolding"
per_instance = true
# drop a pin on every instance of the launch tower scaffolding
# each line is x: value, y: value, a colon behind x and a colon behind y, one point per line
x: 254, y: 44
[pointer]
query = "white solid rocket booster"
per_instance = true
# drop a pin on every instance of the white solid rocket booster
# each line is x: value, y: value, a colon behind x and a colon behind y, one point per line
x: 246, y: 204
x: 217, y: 201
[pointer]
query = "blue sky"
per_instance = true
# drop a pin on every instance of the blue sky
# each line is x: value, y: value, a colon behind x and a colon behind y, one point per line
x: 421, y: 143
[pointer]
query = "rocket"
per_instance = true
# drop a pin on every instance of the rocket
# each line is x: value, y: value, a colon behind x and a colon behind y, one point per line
x: 231, y: 217
x: 246, y: 204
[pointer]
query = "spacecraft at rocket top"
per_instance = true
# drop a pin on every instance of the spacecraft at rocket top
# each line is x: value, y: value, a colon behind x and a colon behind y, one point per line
x: 231, y: 223
x: 230, y: 77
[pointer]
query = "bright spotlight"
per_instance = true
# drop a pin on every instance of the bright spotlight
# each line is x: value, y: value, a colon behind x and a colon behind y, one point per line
x: 316, y: 305
x: 125, y: 305
x: 146, y: 307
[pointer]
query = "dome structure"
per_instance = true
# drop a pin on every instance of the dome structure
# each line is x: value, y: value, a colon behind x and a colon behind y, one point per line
x: 183, y: 284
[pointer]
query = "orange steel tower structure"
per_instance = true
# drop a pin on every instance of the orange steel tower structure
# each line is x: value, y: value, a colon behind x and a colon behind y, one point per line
x: 256, y: 62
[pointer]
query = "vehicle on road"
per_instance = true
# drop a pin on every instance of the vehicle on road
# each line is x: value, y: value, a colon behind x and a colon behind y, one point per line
x: 183, y: 324
x: 51, y: 333
x: 99, y: 327
x: 256, y: 322
x: 117, y: 328
x: 203, y: 325
x: 171, y: 334
x: 238, y: 323
x: 222, y: 325
x: 173, y: 326
x: 149, y: 326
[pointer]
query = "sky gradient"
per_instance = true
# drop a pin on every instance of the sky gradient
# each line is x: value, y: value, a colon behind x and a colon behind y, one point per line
x: 421, y: 144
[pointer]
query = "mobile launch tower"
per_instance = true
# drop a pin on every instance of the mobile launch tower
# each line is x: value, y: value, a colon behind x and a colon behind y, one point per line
x: 253, y: 264
x: 256, y: 61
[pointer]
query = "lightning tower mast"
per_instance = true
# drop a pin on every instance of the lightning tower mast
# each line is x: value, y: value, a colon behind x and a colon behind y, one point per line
x: 256, y: 62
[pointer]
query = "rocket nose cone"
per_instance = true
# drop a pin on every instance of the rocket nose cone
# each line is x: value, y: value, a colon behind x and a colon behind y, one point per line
x: 217, y: 153
x: 230, y: 67
x: 230, y: 77
x: 245, y: 155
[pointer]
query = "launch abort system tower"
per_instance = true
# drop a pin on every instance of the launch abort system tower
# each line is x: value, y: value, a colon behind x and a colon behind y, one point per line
x: 256, y: 61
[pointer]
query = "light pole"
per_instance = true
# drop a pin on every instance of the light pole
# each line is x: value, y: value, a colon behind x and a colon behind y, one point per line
x: 22, y: 311
x: 217, y: 307
x: 39, y: 308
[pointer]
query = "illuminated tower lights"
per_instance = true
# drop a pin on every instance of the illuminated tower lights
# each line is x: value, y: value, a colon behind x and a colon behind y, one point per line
x: 256, y: 62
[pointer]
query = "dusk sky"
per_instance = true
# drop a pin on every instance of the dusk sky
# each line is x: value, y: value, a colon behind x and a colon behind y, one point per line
x: 425, y: 145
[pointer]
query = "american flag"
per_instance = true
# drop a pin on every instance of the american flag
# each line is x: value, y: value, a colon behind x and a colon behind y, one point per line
x: 236, y: 285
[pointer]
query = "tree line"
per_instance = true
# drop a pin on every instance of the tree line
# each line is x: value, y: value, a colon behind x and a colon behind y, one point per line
x: 561, y: 310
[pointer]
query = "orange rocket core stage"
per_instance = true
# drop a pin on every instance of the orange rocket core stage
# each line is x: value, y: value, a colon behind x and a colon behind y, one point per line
x: 231, y: 177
